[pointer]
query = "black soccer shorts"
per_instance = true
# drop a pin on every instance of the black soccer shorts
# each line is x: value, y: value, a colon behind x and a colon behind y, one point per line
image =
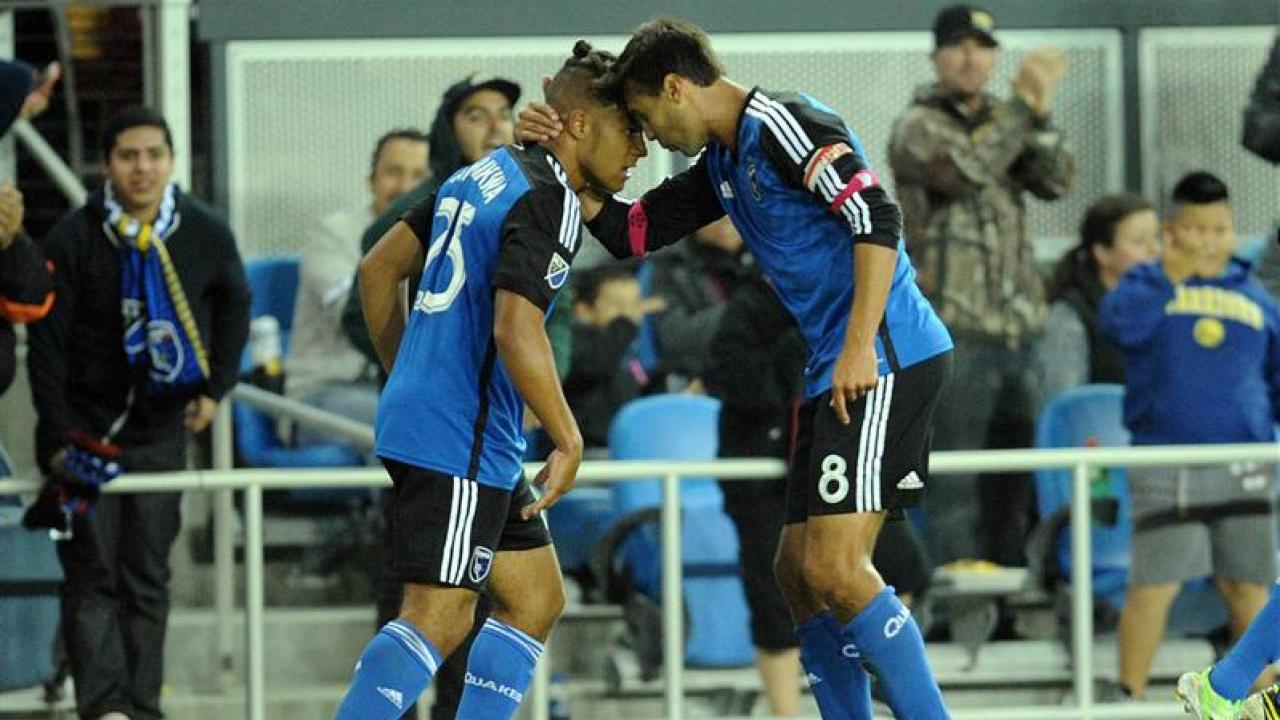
x: 445, y: 530
x: 880, y: 460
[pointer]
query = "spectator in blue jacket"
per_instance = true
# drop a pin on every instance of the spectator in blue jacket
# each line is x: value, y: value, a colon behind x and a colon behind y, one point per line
x: 1201, y: 347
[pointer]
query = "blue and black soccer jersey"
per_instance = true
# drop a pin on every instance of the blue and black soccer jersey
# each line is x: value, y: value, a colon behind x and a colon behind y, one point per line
x: 798, y: 188
x: 509, y: 222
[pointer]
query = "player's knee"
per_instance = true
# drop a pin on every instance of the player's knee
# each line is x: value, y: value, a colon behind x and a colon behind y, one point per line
x: 443, y: 615
x: 538, y: 611
x: 842, y: 580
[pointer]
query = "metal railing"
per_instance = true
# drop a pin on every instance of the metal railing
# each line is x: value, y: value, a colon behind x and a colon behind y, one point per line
x: 1081, y: 461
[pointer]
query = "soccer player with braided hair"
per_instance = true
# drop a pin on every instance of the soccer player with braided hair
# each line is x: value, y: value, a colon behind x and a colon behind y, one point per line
x: 494, y: 245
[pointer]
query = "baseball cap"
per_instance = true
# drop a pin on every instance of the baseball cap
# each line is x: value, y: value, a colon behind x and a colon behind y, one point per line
x: 465, y: 88
x: 957, y: 22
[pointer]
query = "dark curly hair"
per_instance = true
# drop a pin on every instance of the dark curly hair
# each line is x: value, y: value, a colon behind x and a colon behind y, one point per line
x: 659, y: 48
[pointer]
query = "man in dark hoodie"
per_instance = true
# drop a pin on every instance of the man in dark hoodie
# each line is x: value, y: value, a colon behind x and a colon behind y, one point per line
x: 474, y: 118
x: 143, y: 341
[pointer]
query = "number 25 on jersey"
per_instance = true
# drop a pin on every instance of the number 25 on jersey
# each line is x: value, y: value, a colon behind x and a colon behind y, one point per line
x: 457, y: 215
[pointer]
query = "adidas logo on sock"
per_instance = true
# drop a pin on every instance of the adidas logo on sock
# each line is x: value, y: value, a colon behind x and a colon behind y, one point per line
x: 911, y: 482
x: 813, y: 679
x: 394, y: 696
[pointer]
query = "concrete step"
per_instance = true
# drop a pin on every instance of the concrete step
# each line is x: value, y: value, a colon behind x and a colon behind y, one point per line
x: 306, y: 647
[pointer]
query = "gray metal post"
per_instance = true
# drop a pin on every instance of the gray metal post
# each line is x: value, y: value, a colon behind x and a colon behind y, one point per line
x: 255, y: 680
x: 8, y: 151
x: 224, y: 544
x: 540, y: 695
x: 672, y: 600
x: 1082, y: 590
x: 173, y: 24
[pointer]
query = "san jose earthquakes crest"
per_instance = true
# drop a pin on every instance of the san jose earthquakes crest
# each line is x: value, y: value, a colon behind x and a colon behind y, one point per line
x: 557, y: 271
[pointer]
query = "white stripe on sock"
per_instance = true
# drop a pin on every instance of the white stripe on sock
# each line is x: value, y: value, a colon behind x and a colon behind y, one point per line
x: 532, y: 647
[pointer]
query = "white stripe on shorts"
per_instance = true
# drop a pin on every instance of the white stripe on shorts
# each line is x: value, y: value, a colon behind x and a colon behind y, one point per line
x: 886, y: 404
x: 457, y: 540
x: 875, y: 419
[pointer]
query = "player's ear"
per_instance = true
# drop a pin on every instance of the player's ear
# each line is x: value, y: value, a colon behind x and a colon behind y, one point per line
x: 578, y: 123
x: 673, y: 86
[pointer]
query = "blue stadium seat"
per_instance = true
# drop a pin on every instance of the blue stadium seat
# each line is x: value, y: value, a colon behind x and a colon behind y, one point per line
x: 273, y: 282
x: 1089, y: 415
x: 30, y: 580
x: 685, y: 427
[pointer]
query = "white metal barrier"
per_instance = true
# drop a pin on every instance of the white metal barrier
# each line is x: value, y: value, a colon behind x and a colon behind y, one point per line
x: 1081, y: 460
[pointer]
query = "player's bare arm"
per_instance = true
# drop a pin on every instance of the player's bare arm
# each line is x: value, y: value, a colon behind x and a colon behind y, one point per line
x: 855, y: 370
x: 396, y: 256
x: 521, y: 338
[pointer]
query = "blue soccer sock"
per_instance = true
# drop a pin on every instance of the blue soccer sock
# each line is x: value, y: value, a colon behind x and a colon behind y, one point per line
x: 1235, y: 674
x: 499, y: 671
x: 397, y: 665
x: 890, y: 643
x: 840, y: 686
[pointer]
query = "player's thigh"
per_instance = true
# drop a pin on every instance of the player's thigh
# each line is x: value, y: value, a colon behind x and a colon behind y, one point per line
x: 525, y: 581
x: 842, y: 542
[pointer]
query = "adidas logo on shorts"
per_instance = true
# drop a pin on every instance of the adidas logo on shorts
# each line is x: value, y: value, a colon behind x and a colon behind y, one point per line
x: 911, y: 482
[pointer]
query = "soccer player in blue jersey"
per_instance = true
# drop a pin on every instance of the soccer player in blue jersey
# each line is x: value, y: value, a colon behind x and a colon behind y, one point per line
x: 795, y: 182
x: 494, y: 245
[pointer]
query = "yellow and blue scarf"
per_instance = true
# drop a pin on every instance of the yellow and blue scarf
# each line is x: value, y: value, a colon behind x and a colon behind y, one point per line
x: 160, y: 333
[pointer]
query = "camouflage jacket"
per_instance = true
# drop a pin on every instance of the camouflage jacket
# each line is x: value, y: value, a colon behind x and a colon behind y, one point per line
x: 960, y: 179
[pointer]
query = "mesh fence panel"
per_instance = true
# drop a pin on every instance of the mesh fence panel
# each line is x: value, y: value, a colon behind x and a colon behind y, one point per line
x: 303, y: 115
x: 1196, y: 83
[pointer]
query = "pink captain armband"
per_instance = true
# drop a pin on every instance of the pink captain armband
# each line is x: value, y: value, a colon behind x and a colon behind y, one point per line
x: 861, y: 181
x: 637, y: 228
